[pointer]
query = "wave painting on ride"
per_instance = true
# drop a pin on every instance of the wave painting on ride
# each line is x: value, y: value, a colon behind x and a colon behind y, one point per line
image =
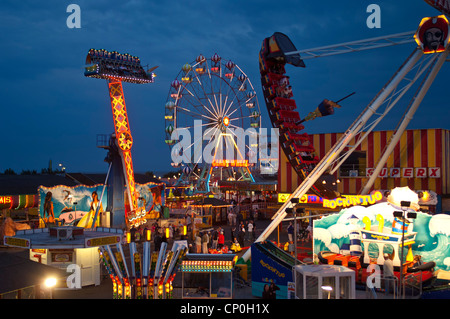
x: 359, y: 236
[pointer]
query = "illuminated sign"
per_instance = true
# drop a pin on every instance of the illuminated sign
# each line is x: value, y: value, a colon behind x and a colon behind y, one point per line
x: 353, y: 200
x: 433, y: 34
x: 230, y: 163
x: 311, y: 199
x: 16, y: 242
x: 305, y: 199
x: 283, y: 197
x: 407, y: 172
x: 207, y: 265
x: 6, y: 199
x: 102, y: 241
x: 344, y: 201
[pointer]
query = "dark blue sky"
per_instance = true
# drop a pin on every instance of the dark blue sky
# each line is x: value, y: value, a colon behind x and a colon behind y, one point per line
x: 51, y: 111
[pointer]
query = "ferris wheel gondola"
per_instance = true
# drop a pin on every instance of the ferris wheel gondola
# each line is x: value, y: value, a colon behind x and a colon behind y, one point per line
x: 211, y: 102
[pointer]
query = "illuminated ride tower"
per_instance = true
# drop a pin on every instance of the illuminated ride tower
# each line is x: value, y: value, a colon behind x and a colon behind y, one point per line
x: 116, y: 68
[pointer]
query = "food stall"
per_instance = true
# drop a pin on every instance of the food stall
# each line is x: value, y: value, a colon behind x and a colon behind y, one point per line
x: 210, y: 211
x: 207, y: 276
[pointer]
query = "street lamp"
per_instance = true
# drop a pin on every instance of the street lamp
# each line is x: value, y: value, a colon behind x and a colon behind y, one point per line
x: 50, y: 283
x: 329, y: 289
x: 401, y: 214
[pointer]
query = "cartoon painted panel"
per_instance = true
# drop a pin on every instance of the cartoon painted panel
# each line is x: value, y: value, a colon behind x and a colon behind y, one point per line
x: 68, y: 205
x: 151, y: 196
x: 431, y: 233
x: 77, y: 205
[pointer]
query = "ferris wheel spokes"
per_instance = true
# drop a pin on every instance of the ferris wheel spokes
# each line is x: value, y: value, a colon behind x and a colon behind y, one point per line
x: 216, y: 93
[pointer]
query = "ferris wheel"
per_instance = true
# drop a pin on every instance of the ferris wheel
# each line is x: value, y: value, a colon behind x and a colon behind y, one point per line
x: 210, y: 104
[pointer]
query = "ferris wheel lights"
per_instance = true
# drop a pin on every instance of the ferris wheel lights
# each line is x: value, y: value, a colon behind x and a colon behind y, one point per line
x: 200, y: 70
x: 202, y: 98
x: 187, y: 79
x: 170, y: 142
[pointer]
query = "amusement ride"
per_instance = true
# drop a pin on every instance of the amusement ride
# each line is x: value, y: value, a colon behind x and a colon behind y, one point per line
x: 277, y: 51
x: 151, y: 273
x: 210, y: 100
x: 212, y: 103
x: 221, y: 97
x: 116, y: 68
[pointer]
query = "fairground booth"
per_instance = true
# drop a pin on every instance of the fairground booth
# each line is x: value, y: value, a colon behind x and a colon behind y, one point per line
x: 210, y: 211
x: 63, y: 235
x: 361, y: 236
x: 207, y: 276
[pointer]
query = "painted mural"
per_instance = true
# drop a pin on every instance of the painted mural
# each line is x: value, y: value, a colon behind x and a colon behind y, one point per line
x: 152, y: 197
x: 76, y: 205
x: 332, y: 233
x: 69, y: 205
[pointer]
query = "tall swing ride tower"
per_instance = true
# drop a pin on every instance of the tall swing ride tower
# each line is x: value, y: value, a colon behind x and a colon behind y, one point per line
x: 116, y: 68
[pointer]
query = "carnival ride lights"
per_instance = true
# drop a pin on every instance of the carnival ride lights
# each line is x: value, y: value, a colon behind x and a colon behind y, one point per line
x: 207, y: 265
x: 117, y: 68
x: 278, y: 50
x: 282, y: 108
x: 149, y: 276
x: 221, y: 96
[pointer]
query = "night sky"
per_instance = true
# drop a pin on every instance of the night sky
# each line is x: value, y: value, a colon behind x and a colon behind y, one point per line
x: 51, y: 111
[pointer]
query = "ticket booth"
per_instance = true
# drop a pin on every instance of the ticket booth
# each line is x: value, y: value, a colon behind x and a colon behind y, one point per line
x: 206, y: 276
